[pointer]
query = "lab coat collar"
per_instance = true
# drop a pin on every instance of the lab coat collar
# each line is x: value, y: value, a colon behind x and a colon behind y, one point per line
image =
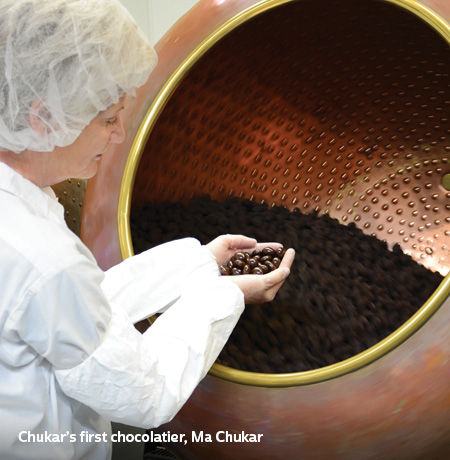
x: 43, y: 201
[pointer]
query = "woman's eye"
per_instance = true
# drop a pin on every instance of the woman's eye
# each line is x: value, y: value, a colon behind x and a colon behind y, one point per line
x: 111, y: 121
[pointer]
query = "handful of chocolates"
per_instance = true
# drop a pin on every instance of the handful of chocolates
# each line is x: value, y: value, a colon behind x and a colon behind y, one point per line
x: 255, y: 263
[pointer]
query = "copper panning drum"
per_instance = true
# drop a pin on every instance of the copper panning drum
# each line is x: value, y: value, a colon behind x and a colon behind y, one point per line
x: 335, y: 106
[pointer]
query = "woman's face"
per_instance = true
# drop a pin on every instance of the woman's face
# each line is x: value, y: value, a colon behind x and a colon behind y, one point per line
x: 81, y: 158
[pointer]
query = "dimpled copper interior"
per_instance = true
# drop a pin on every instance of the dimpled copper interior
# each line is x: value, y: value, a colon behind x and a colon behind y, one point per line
x: 70, y: 194
x: 338, y: 107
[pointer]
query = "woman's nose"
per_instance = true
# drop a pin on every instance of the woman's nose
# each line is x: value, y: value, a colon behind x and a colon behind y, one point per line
x: 118, y: 134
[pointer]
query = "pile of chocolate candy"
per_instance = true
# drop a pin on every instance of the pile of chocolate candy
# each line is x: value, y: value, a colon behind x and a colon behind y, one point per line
x: 256, y: 262
x: 346, y: 290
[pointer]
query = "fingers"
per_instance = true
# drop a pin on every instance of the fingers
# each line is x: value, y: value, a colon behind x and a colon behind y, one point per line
x: 274, y: 280
x: 273, y: 245
x: 282, y: 272
x: 240, y: 242
x: 288, y: 258
x: 277, y: 276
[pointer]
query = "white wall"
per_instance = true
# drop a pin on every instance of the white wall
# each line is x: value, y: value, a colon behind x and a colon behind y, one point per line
x: 155, y: 17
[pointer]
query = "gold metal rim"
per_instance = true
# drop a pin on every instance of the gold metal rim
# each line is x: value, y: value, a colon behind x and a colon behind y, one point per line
x: 124, y: 205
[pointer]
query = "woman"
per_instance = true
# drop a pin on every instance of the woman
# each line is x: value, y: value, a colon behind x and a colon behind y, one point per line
x: 70, y: 358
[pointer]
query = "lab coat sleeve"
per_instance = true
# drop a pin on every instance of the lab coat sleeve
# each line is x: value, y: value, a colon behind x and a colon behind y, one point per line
x: 144, y: 380
x: 150, y: 282
x: 63, y: 316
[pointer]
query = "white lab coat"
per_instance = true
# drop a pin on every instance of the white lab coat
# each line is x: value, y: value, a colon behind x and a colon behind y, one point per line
x: 70, y: 358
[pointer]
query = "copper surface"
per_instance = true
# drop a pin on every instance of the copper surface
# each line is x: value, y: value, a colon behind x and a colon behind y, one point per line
x: 70, y: 194
x: 339, y: 106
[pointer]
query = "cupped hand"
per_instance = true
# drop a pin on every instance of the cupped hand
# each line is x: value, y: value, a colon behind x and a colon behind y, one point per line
x: 225, y: 246
x: 263, y: 288
x: 256, y: 288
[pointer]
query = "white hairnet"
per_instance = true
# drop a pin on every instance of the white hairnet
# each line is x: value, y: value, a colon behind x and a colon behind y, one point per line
x: 64, y: 61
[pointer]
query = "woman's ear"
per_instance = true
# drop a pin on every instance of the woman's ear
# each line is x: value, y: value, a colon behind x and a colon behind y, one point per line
x: 39, y: 118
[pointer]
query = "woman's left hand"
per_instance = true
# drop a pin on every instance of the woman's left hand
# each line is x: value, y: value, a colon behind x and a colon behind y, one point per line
x: 225, y: 246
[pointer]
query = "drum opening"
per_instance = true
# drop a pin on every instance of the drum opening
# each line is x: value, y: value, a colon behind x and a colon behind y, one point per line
x: 327, y: 107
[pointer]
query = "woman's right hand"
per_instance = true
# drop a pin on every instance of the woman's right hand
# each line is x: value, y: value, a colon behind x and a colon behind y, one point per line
x: 263, y: 288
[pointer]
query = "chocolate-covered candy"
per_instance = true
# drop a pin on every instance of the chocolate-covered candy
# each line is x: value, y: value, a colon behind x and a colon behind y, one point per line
x: 239, y: 256
x: 239, y: 263
x: 264, y: 268
x: 266, y: 260
x: 268, y: 252
x: 270, y: 266
x: 253, y: 262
